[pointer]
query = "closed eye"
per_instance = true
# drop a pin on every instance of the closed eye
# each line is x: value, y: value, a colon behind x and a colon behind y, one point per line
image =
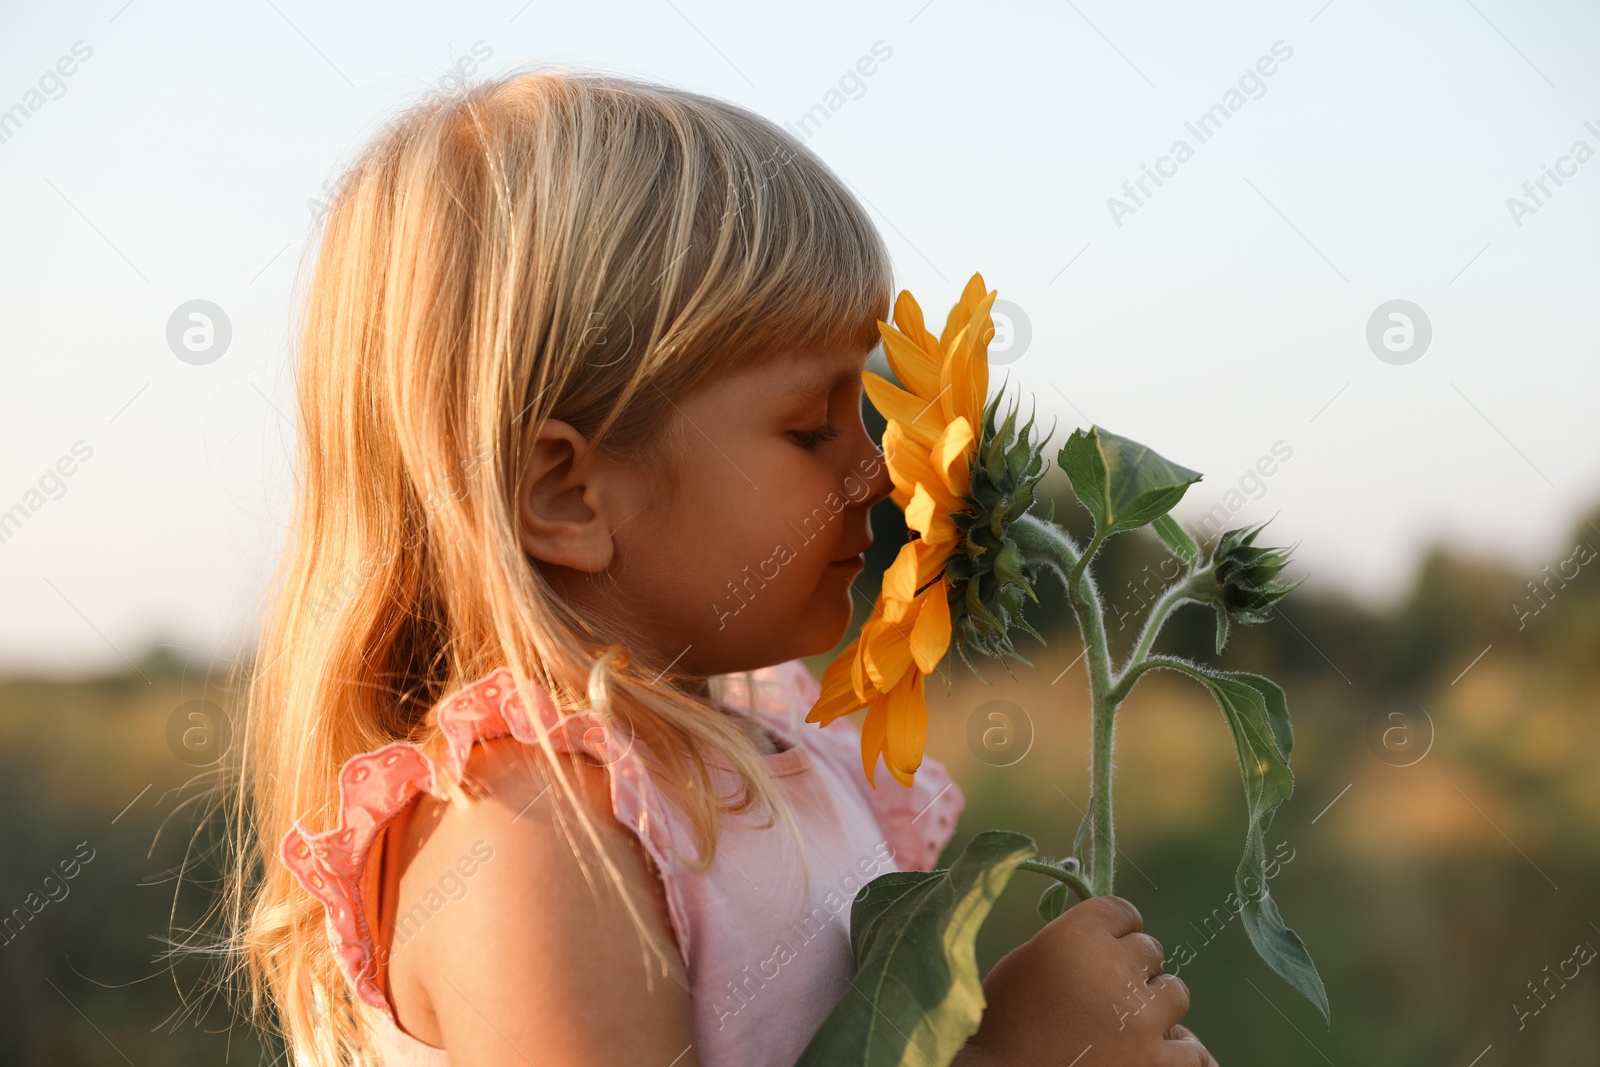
x: 813, y: 438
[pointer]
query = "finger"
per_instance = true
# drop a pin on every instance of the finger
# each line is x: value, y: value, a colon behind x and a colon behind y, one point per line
x: 1116, y: 915
x: 1147, y: 950
x: 1170, y: 1000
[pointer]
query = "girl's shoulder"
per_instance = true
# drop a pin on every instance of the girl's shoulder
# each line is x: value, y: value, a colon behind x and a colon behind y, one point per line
x: 339, y: 866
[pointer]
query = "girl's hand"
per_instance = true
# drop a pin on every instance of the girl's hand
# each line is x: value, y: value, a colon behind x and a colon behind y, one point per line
x: 1090, y: 980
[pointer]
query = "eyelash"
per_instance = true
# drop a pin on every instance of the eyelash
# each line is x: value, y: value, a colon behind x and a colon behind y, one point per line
x: 813, y: 438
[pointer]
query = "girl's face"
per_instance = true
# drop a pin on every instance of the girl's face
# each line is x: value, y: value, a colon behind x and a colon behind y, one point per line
x: 750, y: 560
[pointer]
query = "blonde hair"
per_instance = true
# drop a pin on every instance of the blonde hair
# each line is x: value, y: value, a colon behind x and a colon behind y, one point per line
x: 554, y: 244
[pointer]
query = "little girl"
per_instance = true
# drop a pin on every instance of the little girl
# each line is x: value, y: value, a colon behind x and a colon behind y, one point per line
x: 582, y: 475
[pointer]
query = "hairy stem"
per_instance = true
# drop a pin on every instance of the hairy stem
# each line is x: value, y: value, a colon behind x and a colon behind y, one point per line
x: 1135, y: 671
x: 1044, y: 542
x: 1066, y: 877
x: 1174, y: 596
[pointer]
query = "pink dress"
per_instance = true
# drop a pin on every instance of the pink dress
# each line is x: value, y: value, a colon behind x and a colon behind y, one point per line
x: 765, y: 964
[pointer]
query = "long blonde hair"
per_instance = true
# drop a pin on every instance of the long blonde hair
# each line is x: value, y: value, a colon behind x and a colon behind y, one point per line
x: 554, y: 244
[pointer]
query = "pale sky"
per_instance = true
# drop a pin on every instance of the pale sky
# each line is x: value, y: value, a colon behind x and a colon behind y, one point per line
x: 1226, y: 313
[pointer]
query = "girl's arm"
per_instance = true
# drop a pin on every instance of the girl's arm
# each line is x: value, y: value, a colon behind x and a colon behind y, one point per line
x: 534, y: 963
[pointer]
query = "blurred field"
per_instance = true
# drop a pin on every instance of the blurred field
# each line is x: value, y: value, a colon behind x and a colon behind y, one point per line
x: 1431, y: 894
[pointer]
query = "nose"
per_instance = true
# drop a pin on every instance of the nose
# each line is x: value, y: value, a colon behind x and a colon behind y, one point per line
x: 874, y: 470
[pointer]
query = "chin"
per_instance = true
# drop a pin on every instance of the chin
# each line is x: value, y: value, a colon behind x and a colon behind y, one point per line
x: 832, y: 623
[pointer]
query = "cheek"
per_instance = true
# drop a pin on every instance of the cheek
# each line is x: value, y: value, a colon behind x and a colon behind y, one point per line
x: 758, y: 519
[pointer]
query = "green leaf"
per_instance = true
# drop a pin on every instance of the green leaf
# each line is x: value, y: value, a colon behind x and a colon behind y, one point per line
x: 1059, y: 897
x: 1222, y: 625
x: 1054, y: 901
x: 1277, y: 706
x: 1177, y: 539
x: 1123, y: 484
x: 1083, y: 827
x: 917, y: 996
x: 1258, y: 717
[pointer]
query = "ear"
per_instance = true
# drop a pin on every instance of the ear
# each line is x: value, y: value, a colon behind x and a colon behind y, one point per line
x: 562, y: 501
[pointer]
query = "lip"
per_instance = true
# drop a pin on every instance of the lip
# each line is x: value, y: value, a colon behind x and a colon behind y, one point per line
x: 858, y: 560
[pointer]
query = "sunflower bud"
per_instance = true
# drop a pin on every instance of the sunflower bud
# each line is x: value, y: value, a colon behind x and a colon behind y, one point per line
x: 1241, y: 581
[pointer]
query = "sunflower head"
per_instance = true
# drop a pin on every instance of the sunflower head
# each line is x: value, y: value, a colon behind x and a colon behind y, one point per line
x: 961, y: 480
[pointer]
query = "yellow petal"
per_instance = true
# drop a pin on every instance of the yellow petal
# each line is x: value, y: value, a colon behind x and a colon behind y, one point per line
x: 952, y: 457
x: 863, y: 686
x: 908, y: 317
x: 907, y: 732
x: 914, y: 567
x: 909, y: 462
x: 888, y: 655
x: 900, y: 580
x: 930, y: 636
x: 966, y: 368
x: 872, y: 735
x: 961, y: 314
x: 927, y: 516
x: 838, y: 693
x: 952, y: 377
x: 917, y: 370
x: 922, y: 421
x: 975, y: 378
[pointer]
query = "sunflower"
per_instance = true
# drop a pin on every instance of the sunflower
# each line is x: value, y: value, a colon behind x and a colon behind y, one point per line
x: 938, y: 429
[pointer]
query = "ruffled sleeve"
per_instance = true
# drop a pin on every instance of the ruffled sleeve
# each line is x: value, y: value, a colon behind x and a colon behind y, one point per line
x: 374, y: 787
x: 917, y: 820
